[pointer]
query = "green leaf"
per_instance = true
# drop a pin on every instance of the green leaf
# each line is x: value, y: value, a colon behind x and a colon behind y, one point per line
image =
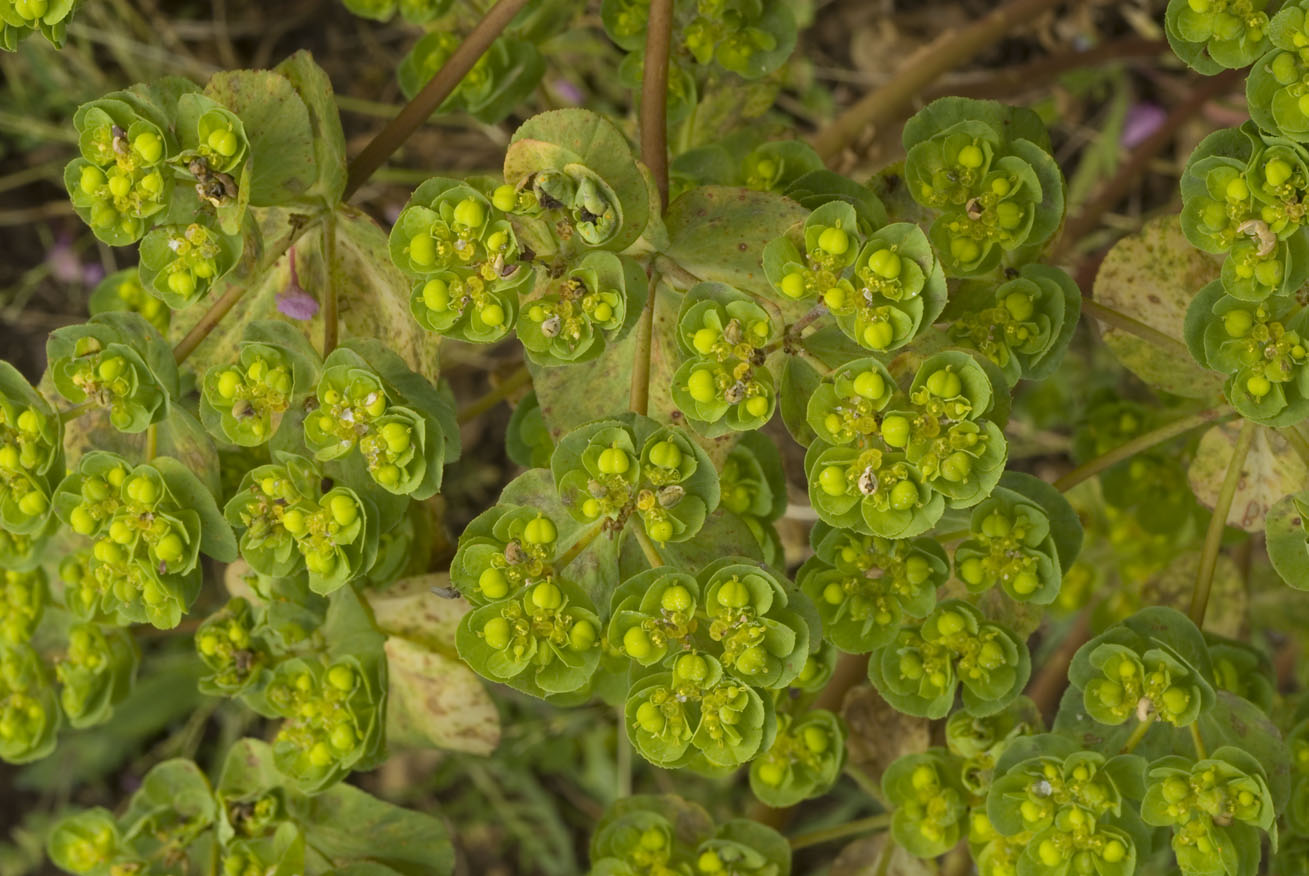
x: 1151, y: 276
x: 345, y: 824
x: 1288, y: 546
x: 718, y: 233
x: 216, y: 538
x: 1271, y: 471
x: 435, y: 700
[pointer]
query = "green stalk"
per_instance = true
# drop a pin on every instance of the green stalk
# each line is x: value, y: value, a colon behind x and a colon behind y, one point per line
x: 1213, y: 538
x: 1141, y: 443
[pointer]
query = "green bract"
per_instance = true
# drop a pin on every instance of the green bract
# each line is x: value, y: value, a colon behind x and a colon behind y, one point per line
x: 632, y: 469
x: 122, y: 290
x: 666, y: 834
x: 95, y: 673
x: 20, y: 19
x: 29, y: 711
x: 23, y: 599
x: 232, y: 649
x: 753, y: 488
x: 865, y: 586
x: 149, y: 524
x: 466, y: 257
x: 1262, y: 349
x: 804, y: 760
x: 599, y: 299
x: 116, y: 361
x: 544, y: 639
x: 244, y: 402
x: 181, y: 262
x: 1276, y: 89
x: 416, y: 11
x: 1010, y: 544
x: 1216, y: 806
x: 334, y: 712
x: 994, y: 188
x: 288, y: 525
x: 895, y: 469
x: 929, y: 803
x: 1210, y: 35
x: 884, y: 288
x: 726, y: 337
x: 31, y: 455
x: 920, y: 671
x: 1025, y: 325
x: 498, y: 83
x: 503, y: 550
x: 980, y: 741
x: 370, y: 402
x: 85, y: 842
x: 1153, y: 665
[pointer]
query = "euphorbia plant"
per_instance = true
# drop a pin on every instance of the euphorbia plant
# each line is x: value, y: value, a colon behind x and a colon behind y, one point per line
x: 777, y: 467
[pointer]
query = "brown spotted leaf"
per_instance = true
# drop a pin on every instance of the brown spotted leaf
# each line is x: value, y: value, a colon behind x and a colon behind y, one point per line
x: 1271, y: 470
x: 1151, y: 276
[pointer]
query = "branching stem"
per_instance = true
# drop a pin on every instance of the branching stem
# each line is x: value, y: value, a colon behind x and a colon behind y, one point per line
x: 1132, y: 325
x: 438, y: 88
x: 647, y: 546
x: 1141, y: 443
x: 498, y: 393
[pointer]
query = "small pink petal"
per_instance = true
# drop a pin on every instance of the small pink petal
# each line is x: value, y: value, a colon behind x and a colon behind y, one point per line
x: 1143, y: 119
x: 294, y: 301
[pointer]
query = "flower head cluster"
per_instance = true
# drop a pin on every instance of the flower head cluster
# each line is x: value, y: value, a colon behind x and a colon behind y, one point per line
x: 19, y: 19
x: 118, y: 362
x: 883, y: 287
x: 1010, y: 544
x: 804, y: 760
x: 994, y: 188
x: 122, y: 290
x: 1214, y: 34
x: 753, y: 488
x: 931, y: 806
x: 180, y: 263
x: 886, y: 462
x: 31, y: 456
x: 466, y: 258
x: 289, y: 525
x: 610, y: 470
x: 710, y: 648
x: 922, y: 668
x: 865, y: 586
x: 659, y: 836
x: 726, y: 336
x: 148, y: 524
x: 570, y: 322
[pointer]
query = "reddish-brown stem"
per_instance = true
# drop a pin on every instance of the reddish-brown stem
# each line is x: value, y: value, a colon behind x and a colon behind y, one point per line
x: 947, y: 51
x: 418, y: 110
x: 1025, y: 77
x: 654, y: 95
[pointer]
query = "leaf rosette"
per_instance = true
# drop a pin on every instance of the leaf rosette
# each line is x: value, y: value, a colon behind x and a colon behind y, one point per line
x: 116, y: 361
x: 920, y: 671
x: 865, y: 586
x: 631, y: 468
x: 544, y: 640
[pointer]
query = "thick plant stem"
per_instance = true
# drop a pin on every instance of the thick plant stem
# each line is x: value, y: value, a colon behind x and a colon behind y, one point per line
x: 520, y: 378
x: 1140, y: 443
x: 1198, y: 741
x: 654, y: 152
x: 851, y: 828
x: 1213, y: 537
x: 151, y: 442
x: 1132, y: 325
x: 331, y: 319
x: 949, y: 50
x: 209, y: 321
x: 654, y: 95
x: 1121, y: 183
x: 418, y: 110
